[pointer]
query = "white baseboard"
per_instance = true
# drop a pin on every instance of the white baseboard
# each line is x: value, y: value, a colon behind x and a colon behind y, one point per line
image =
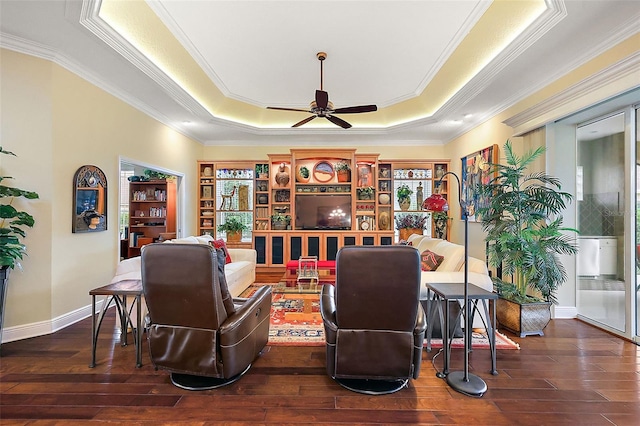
x: 564, y: 312
x: 26, y: 331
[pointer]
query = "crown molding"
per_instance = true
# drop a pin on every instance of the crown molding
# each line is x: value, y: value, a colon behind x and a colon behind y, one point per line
x: 629, y: 66
x: 91, y: 20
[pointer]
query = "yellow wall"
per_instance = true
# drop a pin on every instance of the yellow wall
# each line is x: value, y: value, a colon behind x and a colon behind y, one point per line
x: 56, y: 122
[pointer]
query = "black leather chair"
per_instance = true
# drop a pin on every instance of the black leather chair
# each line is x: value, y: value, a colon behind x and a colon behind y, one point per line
x: 373, y: 321
x: 195, y: 329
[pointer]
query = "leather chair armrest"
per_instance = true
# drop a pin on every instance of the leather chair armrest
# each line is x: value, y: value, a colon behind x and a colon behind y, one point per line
x: 259, y: 304
x: 421, y: 321
x: 328, y: 307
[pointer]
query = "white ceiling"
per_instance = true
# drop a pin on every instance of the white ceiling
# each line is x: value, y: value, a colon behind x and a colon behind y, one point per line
x: 262, y: 53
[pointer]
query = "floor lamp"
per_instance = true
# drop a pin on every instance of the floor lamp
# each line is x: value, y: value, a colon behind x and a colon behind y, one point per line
x: 461, y: 381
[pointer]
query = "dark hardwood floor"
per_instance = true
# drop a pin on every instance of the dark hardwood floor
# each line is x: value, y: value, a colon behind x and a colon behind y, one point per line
x: 575, y: 375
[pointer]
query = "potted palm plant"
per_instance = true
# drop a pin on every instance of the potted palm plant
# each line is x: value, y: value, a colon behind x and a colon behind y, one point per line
x: 233, y: 228
x: 12, y: 224
x: 525, y: 237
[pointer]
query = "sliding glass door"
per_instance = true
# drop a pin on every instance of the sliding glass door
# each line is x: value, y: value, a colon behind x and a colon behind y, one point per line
x: 600, y: 193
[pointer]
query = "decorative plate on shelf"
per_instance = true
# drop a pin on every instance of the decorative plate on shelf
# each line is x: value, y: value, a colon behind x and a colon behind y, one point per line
x: 323, y: 171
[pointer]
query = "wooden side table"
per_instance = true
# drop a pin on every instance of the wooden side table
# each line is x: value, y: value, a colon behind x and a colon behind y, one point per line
x: 118, y: 293
x: 455, y: 291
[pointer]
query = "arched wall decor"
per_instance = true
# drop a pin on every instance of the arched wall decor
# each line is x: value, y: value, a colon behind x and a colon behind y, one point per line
x: 89, y: 200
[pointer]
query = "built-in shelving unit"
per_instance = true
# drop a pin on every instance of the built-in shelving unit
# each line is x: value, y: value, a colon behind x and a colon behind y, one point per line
x: 152, y: 211
x: 326, y: 199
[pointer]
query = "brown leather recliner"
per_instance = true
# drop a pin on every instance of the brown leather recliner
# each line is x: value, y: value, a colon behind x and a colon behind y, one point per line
x: 373, y: 320
x: 195, y: 329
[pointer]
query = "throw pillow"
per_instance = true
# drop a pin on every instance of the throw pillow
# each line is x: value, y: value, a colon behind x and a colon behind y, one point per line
x: 430, y: 261
x: 220, y: 244
x: 224, y: 288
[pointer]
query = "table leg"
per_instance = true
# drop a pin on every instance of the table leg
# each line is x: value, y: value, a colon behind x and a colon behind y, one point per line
x: 124, y: 324
x: 429, y: 319
x: 491, y: 333
x: 138, y: 300
x: 96, y: 323
x: 445, y: 337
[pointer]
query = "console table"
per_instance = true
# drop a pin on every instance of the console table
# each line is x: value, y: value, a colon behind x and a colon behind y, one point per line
x: 118, y: 293
x: 455, y: 291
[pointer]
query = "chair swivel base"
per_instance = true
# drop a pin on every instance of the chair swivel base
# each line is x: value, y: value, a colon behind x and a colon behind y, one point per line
x: 373, y: 387
x: 198, y: 383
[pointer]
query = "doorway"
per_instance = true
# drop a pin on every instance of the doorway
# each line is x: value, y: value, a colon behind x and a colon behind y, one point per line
x: 129, y: 168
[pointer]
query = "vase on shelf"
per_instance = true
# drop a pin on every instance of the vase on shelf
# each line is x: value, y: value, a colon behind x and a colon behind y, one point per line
x: 439, y: 171
x: 282, y: 177
x: 404, y: 203
x: 419, y: 195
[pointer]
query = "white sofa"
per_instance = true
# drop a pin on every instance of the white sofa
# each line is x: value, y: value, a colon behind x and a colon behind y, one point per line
x: 240, y: 273
x: 452, y: 268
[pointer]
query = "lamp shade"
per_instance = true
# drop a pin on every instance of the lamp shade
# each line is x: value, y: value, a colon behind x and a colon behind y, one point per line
x: 435, y: 203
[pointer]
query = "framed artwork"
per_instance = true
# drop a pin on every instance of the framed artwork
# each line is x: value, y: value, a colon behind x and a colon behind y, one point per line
x: 323, y: 171
x: 89, y: 200
x: 475, y: 172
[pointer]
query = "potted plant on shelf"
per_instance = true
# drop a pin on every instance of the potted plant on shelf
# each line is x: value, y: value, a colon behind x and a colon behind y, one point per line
x: 404, y: 196
x: 343, y: 171
x: 411, y: 223
x: 365, y: 193
x: 12, y: 223
x: 262, y: 171
x: 525, y: 238
x: 302, y: 174
x: 233, y: 228
x: 280, y: 221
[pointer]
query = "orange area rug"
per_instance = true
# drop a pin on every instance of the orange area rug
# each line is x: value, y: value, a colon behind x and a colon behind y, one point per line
x: 296, y: 321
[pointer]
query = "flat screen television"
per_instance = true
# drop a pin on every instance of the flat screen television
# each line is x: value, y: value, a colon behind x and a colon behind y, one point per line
x: 323, y: 211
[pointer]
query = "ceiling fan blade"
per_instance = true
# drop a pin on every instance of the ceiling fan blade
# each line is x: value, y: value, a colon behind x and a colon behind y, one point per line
x: 289, y: 109
x: 356, y: 109
x: 305, y: 121
x: 338, y: 121
x: 322, y: 99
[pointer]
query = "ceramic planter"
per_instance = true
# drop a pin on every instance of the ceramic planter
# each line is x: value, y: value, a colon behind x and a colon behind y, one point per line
x: 406, y: 232
x: 523, y: 319
x: 234, y: 237
x: 344, y: 175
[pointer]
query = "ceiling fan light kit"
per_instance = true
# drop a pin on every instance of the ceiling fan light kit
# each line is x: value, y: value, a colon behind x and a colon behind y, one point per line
x: 322, y: 107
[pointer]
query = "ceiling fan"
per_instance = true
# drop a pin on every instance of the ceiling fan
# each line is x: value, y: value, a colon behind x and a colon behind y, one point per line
x: 322, y: 107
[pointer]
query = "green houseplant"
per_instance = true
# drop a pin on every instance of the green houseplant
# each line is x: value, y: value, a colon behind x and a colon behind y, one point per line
x: 343, y: 171
x: 365, y: 193
x: 233, y: 227
x: 12, y: 224
x: 404, y: 196
x: 302, y: 174
x: 280, y: 221
x: 525, y: 233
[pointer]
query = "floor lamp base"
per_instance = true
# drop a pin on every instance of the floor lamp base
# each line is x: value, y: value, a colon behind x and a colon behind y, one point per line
x: 475, y: 386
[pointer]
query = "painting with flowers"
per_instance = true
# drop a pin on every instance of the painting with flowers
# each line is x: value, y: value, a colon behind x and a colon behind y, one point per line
x: 475, y: 172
